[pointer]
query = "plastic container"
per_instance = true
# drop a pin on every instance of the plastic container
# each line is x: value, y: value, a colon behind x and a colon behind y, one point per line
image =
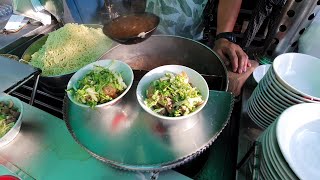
x: 14, y: 131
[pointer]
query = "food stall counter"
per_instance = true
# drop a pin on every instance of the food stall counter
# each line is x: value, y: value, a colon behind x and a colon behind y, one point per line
x: 44, y: 149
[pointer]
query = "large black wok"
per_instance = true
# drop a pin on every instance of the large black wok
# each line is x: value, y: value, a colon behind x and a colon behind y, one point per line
x: 163, y: 49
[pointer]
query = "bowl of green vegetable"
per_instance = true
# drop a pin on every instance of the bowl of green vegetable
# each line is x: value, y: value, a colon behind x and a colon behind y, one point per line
x: 100, y: 83
x: 172, y: 92
x: 11, y: 111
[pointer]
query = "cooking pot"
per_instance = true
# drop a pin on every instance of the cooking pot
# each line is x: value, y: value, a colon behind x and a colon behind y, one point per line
x: 161, y: 50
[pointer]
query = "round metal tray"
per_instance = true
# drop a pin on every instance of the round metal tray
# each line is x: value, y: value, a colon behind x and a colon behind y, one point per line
x: 129, y: 138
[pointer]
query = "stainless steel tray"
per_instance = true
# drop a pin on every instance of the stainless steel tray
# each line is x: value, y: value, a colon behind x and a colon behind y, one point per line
x: 14, y: 73
x: 127, y: 137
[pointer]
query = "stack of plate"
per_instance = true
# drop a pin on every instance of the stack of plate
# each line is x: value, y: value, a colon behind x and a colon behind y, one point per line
x: 291, y: 145
x: 292, y: 79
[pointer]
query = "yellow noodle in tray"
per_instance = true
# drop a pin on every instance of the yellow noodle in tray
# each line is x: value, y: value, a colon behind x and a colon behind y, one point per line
x: 70, y: 48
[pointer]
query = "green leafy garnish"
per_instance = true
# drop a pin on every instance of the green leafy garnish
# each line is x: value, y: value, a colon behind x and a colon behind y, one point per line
x: 173, y: 95
x: 8, y: 116
x: 99, y: 86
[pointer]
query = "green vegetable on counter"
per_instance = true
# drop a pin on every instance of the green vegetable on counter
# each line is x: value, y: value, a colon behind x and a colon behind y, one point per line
x: 9, y: 114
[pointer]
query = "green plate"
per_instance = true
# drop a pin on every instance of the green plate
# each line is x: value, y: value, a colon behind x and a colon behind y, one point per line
x: 270, y: 103
x: 263, y: 169
x: 279, y: 169
x: 264, y: 103
x: 271, y: 99
x: 263, y: 120
x: 267, y: 87
x: 254, y: 118
x: 263, y: 166
x: 278, y: 155
x: 263, y: 112
x: 266, y: 155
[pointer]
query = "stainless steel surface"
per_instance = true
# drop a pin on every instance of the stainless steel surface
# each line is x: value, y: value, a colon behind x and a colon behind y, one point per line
x: 10, y: 42
x: 130, y: 24
x: 44, y: 149
x: 34, y: 89
x: 294, y: 18
x: 164, y: 49
x: 210, y: 79
x: 127, y: 137
x: 13, y: 72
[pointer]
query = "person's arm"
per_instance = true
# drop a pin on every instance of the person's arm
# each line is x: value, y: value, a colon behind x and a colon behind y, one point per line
x: 229, y: 52
x: 228, y: 11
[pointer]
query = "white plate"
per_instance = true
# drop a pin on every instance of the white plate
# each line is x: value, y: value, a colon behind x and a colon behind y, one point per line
x: 265, y: 171
x: 278, y: 155
x: 271, y: 104
x: 260, y: 71
x: 263, y: 165
x: 279, y: 166
x: 268, y: 119
x: 269, y: 166
x: 289, y: 93
x: 270, y: 108
x: 255, y: 119
x: 278, y: 96
x: 285, y: 93
x: 258, y: 111
x: 276, y: 167
x: 298, y: 72
x: 298, y: 135
x: 268, y: 89
x: 260, y: 120
x: 269, y: 97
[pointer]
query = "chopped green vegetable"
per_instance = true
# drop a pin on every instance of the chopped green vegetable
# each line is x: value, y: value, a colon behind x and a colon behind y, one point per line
x: 173, y: 95
x: 8, y: 116
x: 99, y: 86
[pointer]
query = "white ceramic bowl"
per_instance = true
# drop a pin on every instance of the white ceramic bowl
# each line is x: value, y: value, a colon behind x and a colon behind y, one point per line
x: 260, y: 71
x: 289, y: 94
x: 298, y: 135
x: 194, y: 78
x: 114, y: 65
x: 299, y: 73
x: 13, y: 132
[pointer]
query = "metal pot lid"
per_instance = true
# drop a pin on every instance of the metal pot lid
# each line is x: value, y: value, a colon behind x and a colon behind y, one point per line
x: 127, y: 137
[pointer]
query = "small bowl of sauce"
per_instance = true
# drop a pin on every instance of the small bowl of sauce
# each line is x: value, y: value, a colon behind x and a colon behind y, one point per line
x: 131, y: 28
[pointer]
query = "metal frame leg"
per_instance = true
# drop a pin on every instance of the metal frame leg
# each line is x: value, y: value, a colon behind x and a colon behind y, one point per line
x: 256, y: 161
x: 254, y: 150
x: 154, y: 175
x: 34, y: 89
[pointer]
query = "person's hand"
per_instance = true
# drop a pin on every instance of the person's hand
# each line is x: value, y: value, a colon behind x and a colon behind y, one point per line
x: 233, y: 54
